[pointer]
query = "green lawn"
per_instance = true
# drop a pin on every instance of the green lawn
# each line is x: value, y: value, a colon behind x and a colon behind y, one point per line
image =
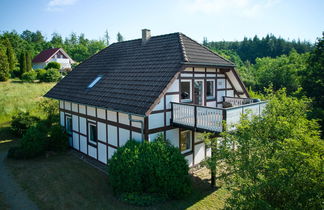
x: 18, y: 96
x: 62, y: 181
x: 66, y: 182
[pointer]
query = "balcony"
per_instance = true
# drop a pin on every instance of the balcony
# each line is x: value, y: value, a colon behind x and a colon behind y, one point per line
x: 211, y: 119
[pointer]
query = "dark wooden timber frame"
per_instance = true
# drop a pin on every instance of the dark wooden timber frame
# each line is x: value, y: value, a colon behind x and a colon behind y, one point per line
x: 200, y: 75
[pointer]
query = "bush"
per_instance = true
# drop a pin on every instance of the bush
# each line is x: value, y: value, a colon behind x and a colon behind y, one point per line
x: 51, y: 75
x: 21, y: 122
x: 32, y: 144
x: 57, y: 140
x: 154, y: 168
x: 40, y: 74
x: 53, y: 65
x: 29, y: 76
x: 15, y: 73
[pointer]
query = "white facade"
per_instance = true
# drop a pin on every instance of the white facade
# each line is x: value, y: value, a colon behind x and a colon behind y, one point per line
x: 114, y: 129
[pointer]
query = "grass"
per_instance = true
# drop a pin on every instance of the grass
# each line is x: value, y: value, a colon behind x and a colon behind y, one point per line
x: 65, y: 182
x: 18, y: 96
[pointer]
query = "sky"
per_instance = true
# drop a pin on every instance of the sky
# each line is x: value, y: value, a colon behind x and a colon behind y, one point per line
x: 217, y: 20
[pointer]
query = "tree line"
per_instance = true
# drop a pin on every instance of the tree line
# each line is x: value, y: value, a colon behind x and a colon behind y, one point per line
x: 251, y: 48
x: 18, y: 50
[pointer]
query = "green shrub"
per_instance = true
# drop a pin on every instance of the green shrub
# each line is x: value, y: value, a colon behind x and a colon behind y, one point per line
x: 21, y: 122
x: 16, y: 73
x: 53, y: 65
x: 29, y: 76
x: 32, y: 144
x: 57, y: 140
x: 155, y: 168
x: 51, y: 75
x: 40, y: 74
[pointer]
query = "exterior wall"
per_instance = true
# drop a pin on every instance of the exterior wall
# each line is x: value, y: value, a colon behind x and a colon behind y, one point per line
x: 160, y: 117
x: 39, y: 65
x: 114, y: 129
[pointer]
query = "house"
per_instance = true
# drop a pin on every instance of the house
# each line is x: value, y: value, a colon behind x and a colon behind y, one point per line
x: 138, y: 89
x: 54, y: 54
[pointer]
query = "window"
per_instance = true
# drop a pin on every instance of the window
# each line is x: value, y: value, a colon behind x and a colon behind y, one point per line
x: 210, y: 89
x: 68, y: 124
x: 92, y: 135
x: 186, y: 91
x: 185, y: 141
x: 95, y: 81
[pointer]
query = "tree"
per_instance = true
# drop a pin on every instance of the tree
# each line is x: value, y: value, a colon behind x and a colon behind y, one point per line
x: 4, y: 65
x: 120, y: 38
x: 205, y: 42
x: 313, y: 75
x: 23, y: 63
x: 53, y: 65
x: 280, y: 72
x: 28, y: 61
x: 107, y: 38
x: 278, y: 162
x: 12, y: 60
x: 218, y: 152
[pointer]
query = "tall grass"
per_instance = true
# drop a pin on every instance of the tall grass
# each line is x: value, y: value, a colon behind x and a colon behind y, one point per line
x: 17, y: 96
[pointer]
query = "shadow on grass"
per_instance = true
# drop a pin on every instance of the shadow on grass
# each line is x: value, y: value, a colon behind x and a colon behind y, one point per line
x: 17, y: 81
x: 7, y: 139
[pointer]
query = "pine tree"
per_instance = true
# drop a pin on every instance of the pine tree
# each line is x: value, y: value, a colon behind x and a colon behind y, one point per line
x: 4, y: 65
x: 120, y: 38
x: 28, y: 61
x: 22, y: 63
x: 107, y: 37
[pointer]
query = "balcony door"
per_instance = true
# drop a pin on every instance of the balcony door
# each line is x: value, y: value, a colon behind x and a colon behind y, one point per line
x: 198, y: 92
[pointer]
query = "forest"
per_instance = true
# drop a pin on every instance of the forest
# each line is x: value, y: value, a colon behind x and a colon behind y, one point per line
x: 262, y: 62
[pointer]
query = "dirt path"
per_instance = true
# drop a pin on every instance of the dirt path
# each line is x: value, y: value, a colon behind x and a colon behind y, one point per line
x: 14, y: 196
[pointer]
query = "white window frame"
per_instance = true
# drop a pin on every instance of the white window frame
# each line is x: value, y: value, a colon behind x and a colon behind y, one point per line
x: 214, y: 88
x: 95, y: 125
x: 190, y: 146
x: 66, y: 119
x: 190, y: 93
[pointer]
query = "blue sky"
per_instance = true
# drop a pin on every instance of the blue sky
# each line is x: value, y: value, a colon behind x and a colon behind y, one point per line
x: 215, y: 19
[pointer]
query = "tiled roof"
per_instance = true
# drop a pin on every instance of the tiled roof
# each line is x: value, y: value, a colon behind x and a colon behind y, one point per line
x: 45, y: 55
x: 134, y: 74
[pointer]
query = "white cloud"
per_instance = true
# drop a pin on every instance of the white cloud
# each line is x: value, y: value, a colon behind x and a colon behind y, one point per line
x: 58, y: 5
x: 246, y: 8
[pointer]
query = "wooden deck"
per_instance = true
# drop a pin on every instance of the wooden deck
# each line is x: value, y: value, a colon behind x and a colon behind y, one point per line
x: 211, y: 119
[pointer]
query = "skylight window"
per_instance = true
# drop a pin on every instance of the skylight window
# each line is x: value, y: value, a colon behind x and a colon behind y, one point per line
x: 94, y: 82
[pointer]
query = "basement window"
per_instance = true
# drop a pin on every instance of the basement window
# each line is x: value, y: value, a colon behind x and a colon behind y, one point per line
x: 95, y: 81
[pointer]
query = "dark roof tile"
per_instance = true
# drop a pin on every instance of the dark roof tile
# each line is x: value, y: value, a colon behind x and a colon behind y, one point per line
x: 134, y: 75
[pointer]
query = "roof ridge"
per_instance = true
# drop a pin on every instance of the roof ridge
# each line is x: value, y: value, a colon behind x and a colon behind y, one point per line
x: 208, y: 49
x: 161, y: 35
x: 183, y: 49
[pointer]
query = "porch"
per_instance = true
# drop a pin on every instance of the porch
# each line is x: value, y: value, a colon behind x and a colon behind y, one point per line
x: 210, y: 119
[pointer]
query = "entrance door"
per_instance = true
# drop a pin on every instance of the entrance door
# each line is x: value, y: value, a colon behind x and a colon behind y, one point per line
x: 199, y: 92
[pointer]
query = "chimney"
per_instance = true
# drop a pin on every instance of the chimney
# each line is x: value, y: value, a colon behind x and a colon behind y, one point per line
x: 146, y: 35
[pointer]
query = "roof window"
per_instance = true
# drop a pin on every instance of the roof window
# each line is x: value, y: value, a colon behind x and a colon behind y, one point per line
x: 94, y: 82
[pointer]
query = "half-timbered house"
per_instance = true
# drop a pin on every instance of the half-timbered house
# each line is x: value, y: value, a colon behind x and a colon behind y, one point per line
x: 138, y: 89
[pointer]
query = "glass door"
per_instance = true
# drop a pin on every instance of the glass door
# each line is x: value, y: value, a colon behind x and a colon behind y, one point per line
x: 199, y: 92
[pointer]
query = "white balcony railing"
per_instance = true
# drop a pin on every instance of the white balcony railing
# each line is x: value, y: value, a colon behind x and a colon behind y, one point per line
x: 211, y: 119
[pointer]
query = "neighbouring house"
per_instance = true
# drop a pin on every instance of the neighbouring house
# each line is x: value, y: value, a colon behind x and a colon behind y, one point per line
x: 138, y: 89
x: 54, y: 54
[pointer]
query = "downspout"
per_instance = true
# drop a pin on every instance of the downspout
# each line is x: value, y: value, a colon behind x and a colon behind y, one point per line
x: 138, y: 121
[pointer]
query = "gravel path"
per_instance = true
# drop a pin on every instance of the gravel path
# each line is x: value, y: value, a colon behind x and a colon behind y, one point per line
x: 15, y: 197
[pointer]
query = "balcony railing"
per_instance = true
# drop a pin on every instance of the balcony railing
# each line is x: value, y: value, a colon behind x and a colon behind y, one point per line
x: 211, y: 119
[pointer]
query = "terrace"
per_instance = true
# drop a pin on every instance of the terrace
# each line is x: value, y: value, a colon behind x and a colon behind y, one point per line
x: 211, y: 119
